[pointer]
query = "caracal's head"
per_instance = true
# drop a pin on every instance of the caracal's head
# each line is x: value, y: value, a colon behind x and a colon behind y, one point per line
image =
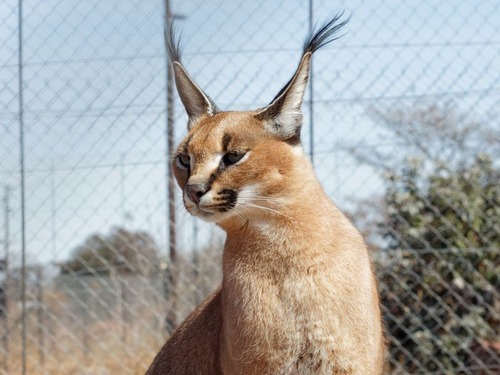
x: 241, y: 164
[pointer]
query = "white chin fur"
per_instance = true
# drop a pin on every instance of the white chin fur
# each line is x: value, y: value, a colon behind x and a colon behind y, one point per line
x: 211, y: 217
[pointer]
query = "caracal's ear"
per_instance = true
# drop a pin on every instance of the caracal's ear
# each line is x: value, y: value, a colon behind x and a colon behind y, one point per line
x: 283, y: 116
x: 195, y: 101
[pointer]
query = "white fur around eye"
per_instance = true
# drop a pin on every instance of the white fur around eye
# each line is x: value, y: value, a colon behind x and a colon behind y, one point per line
x: 243, y: 159
x: 213, y: 164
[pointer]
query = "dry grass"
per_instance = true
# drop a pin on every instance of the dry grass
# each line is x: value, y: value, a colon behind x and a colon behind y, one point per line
x: 106, y: 349
x: 74, y: 338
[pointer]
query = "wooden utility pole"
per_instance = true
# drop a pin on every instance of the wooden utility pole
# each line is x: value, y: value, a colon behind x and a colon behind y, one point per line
x: 4, y: 308
x: 311, y: 90
x: 171, y: 275
x: 172, y: 281
x: 40, y: 312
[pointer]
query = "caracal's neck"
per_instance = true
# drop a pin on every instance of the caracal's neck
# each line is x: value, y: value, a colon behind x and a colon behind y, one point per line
x: 305, y: 217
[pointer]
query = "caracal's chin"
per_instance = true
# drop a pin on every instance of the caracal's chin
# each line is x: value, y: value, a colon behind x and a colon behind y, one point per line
x: 239, y: 213
x: 209, y: 216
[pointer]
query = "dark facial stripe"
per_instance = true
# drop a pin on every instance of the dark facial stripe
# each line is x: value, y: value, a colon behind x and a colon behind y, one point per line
x: 212, y: 178
x: 185, y: 147
x: 216, y: 173
x: 226, y: 139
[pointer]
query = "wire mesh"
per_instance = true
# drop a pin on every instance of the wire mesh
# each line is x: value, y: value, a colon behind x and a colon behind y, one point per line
x: 405, y: 140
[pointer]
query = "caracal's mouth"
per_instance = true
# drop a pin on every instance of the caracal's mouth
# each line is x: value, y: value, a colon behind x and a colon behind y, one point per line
x: 213, y: 207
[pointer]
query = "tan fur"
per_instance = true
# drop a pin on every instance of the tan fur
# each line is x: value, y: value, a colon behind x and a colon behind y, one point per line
x: 298, y: 294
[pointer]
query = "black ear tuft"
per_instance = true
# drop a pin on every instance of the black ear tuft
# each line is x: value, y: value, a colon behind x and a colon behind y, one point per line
x: 195, y: 101
x: 327, y: 33
x: 283, y: 116
x: 172, y: 45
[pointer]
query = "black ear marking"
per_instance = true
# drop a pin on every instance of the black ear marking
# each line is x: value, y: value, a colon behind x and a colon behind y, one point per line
x: 194, y: 99
x: 283, y: 116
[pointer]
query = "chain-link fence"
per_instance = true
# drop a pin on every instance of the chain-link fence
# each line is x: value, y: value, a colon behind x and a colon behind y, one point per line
x: 402, y: 126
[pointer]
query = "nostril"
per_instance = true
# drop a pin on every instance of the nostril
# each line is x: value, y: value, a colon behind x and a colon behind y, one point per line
x: 195, y: 192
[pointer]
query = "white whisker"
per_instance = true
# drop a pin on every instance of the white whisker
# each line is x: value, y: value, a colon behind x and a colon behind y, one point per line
x: 238, y: 214
x: 264, y: 208
x: 270, y: 199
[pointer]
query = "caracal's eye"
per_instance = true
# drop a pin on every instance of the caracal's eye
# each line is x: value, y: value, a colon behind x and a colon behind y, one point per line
x: 232, y: 157
x: 183, y: 161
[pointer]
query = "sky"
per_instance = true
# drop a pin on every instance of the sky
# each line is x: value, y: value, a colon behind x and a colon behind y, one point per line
x: 95, y: 100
